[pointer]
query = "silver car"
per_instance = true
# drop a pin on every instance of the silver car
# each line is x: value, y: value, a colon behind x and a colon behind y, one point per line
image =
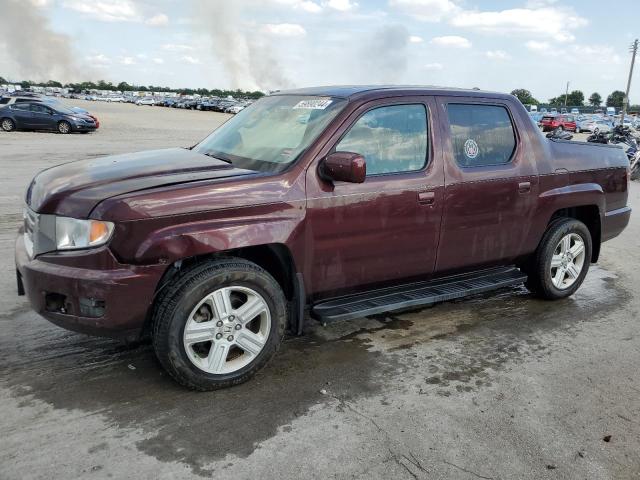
x: 591, y: 125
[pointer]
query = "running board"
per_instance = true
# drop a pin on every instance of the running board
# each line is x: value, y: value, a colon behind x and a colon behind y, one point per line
x: 415, y: 294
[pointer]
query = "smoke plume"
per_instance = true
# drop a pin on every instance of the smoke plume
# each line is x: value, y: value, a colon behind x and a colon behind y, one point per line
x: 246, y: 56
x: 29, y: 48
x: 384, y: 55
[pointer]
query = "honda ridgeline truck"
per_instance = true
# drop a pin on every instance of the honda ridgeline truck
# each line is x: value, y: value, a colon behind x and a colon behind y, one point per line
x: 346, y: 201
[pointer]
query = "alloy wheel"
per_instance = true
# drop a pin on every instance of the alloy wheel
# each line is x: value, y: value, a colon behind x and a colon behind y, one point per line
x: 567, y: 261
x: 7, y: 125
x: 227, y: 330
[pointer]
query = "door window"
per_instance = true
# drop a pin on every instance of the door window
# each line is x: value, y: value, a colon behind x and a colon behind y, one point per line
x: 391, y: 139
x: 21, y: 107
x: 35, y: 108
x: 481, y: 135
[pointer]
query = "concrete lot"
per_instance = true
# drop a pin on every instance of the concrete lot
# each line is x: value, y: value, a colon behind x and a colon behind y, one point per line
x: 494, y: 387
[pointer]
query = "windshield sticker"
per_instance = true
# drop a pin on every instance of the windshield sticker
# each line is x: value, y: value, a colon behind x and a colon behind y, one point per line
x: 471, y: 148
x: 315, y: 104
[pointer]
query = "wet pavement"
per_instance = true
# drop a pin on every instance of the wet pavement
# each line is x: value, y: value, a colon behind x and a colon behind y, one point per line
x: 495, y: 386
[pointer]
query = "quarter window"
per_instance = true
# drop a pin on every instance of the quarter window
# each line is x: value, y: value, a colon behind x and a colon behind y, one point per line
x: 481, y: 135
x: 391, y: 139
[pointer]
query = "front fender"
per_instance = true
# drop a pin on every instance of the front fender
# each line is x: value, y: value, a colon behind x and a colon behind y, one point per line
x: 174, y: 238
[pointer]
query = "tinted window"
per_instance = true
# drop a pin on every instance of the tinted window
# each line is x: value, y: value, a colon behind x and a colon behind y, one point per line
x: 481, y: 134
x: 4, y: 101
x: 34, y: 107
x: 22, y: 100
x: 17, y: 106
x: 391, y: 139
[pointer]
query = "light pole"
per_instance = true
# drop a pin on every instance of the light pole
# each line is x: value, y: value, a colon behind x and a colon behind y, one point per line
x: 625, y: 101
x: 566, y: 94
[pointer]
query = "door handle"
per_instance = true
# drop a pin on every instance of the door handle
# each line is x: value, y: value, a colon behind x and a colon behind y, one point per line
x: 426, y: 198
x: 524, y: 187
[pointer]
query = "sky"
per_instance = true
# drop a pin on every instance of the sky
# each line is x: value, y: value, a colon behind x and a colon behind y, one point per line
x: 276, y: 44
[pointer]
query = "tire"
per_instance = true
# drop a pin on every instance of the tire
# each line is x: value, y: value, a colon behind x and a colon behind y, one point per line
x: 196, y: 360
x: 64, y: 127
x: 8, y: 125
x: 635, y: 171
x: 550, y: 282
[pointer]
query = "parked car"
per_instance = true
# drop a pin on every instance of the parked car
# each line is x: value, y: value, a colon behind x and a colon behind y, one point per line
x: 591, y: 125
x: 115, y: 98
x: 562, y: 122
x: 575, y: 111
x: 214, y: 251
x: 40, y: 116
x: 146, y: 101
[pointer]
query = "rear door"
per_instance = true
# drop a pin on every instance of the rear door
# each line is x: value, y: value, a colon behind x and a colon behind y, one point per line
x: 491, y: 183
x: 22, y: 115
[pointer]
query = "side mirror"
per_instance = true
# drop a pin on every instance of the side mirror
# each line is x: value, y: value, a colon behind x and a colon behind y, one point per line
x: 344, y: 167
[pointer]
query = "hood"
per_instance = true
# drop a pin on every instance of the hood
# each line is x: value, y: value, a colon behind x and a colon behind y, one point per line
x: 74, y: 189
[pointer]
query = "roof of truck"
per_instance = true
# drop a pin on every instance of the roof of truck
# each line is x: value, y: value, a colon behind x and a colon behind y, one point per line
x: 349, y: 91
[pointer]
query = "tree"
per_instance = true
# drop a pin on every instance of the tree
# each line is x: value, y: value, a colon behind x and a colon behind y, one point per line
x: 595, y: 99
x: 524, y: 96
x: 575, y: 98
x: 615, y: 99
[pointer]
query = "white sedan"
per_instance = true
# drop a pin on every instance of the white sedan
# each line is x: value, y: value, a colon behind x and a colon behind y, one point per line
x: 146, y: 101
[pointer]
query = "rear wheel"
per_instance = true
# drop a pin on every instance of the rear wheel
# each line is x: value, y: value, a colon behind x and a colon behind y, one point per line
x: 561, y: 261
x: 8, y: 125
x: 64, y: 127
x: 218, y: 323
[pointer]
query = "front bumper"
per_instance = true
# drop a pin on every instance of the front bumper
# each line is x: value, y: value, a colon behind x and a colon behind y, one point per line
x: 83, y: 127
x: 88, y: 291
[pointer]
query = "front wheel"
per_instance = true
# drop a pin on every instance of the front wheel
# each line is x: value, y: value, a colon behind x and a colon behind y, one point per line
x: 64, y: 127
x: 218, y: 323
x: 561, y: 261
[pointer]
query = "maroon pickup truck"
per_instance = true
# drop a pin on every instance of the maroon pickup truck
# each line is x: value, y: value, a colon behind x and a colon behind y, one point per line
x: 348, y: 201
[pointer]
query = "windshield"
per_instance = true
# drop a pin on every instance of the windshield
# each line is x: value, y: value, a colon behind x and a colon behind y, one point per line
x: 271, y: 134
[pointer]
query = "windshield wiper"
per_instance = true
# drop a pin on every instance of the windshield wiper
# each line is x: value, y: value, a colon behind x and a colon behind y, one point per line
x: 226, y: 160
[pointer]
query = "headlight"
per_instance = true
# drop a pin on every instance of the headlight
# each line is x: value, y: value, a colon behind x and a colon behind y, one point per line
x: 72, y: 233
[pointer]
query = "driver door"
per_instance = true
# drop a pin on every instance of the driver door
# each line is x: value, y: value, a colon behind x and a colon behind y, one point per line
x: 386, y: 229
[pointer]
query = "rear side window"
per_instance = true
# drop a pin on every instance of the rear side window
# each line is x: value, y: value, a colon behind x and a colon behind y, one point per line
x: 481, y: 135
x: 17, y: 106
x: 4, y: 101
x: 391, y: 139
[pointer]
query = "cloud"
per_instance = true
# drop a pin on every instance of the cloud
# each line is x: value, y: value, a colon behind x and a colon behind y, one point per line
x: 453, y: 41
x: 433, y: 66
x: 191, y: 60
x: 127, y: 61
x: 304, y: 5
x: 426, y: 10
x: 602, y: 54
x: 341, y: 5
x: 100, y: 59
x: 173, y: 47
x: 415, y: 39
x: 158, y: 61
x: 284, y: 29
x: 158, y: 20
x: 497, y: 55
x: 551, y: 22
x: 106, y: 10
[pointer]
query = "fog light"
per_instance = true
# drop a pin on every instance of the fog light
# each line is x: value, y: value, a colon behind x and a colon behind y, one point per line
x: 91, y: 307
x: 55, y: 302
